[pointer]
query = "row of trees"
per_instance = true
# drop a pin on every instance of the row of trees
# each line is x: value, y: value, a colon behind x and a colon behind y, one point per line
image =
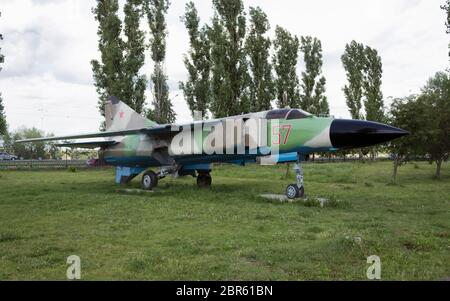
x: 229, y: 63
x: 231, y: 71
x: 230, y: 68
x: 122, y: 46
x: 40, y: 150
x: 43, y: 150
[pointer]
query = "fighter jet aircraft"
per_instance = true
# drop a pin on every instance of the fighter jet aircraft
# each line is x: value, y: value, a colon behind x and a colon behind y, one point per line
x: 133, y: 144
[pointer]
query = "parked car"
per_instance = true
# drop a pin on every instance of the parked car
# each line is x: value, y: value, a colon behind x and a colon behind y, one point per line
x: 93, y: 162
x: 6, y: 156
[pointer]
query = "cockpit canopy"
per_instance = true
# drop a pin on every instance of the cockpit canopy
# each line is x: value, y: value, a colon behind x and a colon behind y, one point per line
x: 288, y: 114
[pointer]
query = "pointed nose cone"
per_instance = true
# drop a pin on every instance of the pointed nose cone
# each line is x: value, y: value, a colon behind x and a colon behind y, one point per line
x: 358, y: 133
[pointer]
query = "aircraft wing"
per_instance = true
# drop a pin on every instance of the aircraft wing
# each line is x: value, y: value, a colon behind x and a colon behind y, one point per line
x: 158, y: 130
x: 91, y: 144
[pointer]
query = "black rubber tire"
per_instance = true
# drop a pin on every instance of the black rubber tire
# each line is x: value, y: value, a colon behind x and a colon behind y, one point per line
x: 149, y: 180
x: 204, y: 180
x: 292, y: 191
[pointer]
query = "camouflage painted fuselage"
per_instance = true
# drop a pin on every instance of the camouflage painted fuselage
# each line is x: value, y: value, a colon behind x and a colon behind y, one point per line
x: 282, y: 136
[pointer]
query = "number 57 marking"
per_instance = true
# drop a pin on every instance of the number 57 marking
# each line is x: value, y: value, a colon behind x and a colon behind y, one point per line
x: 281, y: 131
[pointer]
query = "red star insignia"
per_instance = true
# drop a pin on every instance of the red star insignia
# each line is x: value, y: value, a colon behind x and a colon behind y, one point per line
x: 121, y: 114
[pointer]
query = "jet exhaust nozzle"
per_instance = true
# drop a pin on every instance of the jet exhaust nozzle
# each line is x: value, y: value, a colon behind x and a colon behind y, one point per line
x: 357, y: 133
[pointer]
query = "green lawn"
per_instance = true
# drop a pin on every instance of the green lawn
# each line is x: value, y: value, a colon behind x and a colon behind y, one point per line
x: 229, y: 232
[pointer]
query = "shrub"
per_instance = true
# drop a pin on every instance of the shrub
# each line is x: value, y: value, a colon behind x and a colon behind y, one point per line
x: 72, y: 169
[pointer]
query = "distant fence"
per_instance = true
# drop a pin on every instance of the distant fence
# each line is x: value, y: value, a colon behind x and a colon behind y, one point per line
x: 334, y: 159
x: 60, y: 164
x: 41, y: 164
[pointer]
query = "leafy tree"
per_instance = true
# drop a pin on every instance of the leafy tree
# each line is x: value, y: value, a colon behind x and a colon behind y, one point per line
x: 427, y: 118
x: 405, y: 113
x: 43, y: 150
x: 373, y: 102
x: 285, y: 64
x: 134, y: 84
x: 313, y: 98
x: 353, y: 60
x: 156, y: 11
x: 435, y: 99
x: 108, y: 73
x: 229, y: 64
x: 3, y: 125
x: 198, y: 63
x: 258, y: 47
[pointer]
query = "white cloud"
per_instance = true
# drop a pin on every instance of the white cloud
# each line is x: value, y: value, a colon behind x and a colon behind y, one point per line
x: 49, y: 45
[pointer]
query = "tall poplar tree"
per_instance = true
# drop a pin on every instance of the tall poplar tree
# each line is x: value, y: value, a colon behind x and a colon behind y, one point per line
x: 134, y: 83
x: 353, y: 60
x: 313, y: 98
x: 285, y: 64
x: 373, y: 97
x: 258, y: 47
x: 156, y: 11
x: 229, y: 64
x: 108, y: 72
x: 354, y: 64
x: 220, y: 95
x: 198, y: 63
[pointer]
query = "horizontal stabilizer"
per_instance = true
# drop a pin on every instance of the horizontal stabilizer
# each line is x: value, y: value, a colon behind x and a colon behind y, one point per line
x: 91, y: 144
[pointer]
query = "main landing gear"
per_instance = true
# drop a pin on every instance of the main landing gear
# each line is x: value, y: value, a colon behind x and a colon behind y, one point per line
x: 294, y: 191
x: 150, y: 179
x: 204, y: 179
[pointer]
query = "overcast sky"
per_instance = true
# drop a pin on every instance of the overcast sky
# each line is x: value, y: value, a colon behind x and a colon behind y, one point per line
x: 47, y: 82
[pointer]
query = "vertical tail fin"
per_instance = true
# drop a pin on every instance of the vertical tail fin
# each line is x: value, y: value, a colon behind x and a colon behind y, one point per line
x: 120, y: 117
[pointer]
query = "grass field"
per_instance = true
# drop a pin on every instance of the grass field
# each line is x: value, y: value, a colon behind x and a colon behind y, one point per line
x: 229, y: 232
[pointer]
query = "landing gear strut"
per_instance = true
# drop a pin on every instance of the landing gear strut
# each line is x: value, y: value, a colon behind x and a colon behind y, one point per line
x: 204, y: 179
x: 297, y: 190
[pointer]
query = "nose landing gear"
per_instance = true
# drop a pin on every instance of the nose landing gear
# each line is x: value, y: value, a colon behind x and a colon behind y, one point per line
x: 294, y: 191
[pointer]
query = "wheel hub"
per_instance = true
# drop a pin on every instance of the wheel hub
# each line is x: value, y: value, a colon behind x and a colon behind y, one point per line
x: 291, y: 192
x: 147, y: 181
